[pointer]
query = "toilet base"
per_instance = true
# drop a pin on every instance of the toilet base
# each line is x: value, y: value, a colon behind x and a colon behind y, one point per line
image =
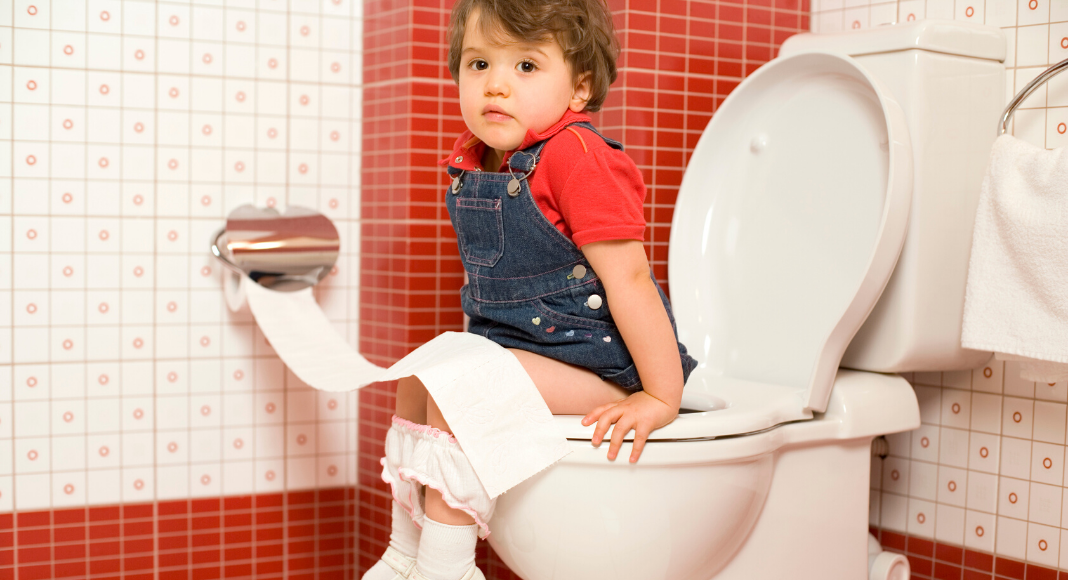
x: 814, y: 524
x: 886, y: 565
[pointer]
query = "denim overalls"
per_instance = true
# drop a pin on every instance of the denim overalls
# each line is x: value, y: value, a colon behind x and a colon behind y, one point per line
x: 529, y: 286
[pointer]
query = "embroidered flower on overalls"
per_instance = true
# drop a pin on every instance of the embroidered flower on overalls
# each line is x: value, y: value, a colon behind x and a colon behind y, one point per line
x: 570, y: 333
x: 608, y: 339
x: 536, y: 320
x: 550, y: 329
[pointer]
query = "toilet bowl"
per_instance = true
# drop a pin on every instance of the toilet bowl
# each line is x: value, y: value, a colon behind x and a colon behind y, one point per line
x: 818, y: 175
x: 685, y: 509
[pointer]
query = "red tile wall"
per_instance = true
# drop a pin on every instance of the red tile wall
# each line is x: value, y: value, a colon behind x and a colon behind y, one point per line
x: 935, y: 561
x: 680, y: 60
x: 308, y: 534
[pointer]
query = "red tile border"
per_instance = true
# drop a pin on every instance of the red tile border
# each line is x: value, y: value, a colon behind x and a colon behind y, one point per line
x: 920, y: 547
x: 978, y: 560
x: 943, y: 571
x: 229, y: 537
x: 1009, y: 568
x: 1040, y: 573
x: 949, y: 554
x: 958, y: 563
x: 920, y: 566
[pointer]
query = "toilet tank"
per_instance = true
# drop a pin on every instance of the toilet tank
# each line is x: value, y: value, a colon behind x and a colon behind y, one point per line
x: 950, y: 82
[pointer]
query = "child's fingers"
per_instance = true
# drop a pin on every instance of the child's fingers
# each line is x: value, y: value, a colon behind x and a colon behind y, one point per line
x: 606, y: 420
x: 623, y: 426
x: 641, y: 435
x: 594, y: 414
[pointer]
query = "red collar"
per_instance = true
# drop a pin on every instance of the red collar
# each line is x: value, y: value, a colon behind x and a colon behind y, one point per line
x: 468, y: 149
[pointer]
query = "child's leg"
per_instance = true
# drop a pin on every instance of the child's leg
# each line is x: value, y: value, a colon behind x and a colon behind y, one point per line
x: 399, y: 558
x: 411, y: 406
x: 436, y: 508
x: 447, y: 547
x: 567, y: 389
x: 411, y: 400
x: 447, y: 542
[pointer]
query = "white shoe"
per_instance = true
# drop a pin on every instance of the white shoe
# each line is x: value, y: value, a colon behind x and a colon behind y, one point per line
x: 473, y: 574
x: 401, y: 564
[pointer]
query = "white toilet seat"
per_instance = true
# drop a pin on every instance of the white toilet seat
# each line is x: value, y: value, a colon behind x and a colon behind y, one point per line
x: 731, y: 408
x: 788, y: 224
x: 862, y: 405
x: 738, y: 407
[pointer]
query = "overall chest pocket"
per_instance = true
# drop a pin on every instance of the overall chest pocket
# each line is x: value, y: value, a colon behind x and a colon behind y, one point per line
x: 480, y: 231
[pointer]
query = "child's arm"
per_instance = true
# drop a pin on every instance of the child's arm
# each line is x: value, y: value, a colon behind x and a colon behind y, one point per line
x: 642, y: 320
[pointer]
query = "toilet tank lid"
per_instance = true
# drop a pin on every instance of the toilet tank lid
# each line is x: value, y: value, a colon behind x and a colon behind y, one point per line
x: 943, y: 36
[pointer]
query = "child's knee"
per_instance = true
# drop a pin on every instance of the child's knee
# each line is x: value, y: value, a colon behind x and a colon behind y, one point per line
x: 434, y: 418
x: 411, y: 387
x: 411, y: 400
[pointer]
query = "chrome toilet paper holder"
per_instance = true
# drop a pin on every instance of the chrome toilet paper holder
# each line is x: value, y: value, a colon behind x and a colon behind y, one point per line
x: 286, y: 251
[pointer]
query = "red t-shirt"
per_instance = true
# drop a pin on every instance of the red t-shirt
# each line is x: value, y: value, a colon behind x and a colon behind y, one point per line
x: 590, y: 191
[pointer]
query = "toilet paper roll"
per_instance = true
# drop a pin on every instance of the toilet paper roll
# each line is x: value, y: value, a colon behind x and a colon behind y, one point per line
x: 492, y: 406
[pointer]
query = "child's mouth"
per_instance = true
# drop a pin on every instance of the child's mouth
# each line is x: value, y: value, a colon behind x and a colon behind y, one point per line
x: 497, y: 117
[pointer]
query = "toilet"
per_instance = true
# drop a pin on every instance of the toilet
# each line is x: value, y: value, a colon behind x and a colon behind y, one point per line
x: 819, y: 248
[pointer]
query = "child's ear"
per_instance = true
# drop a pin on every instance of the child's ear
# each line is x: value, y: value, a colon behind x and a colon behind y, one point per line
x: 581, y: 94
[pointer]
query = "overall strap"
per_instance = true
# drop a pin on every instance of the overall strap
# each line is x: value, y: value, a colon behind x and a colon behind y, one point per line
x: 611, y: 142
x: 527, y: 159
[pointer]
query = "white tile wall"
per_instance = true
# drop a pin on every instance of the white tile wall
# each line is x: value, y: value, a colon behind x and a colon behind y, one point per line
x: 1007, y: 496
x: 128, y: 130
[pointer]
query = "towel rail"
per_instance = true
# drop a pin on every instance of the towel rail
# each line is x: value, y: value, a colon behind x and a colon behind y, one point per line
x: 1026, y: 92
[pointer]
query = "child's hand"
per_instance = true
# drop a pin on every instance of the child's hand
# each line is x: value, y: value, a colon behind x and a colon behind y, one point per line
x: 641, y: 412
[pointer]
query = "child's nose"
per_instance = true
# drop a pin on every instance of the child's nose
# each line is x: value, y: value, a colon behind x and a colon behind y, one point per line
x: 497, y: 85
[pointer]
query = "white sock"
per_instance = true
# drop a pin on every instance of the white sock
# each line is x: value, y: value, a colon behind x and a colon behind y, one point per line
x: 446, y: 552
x: 405, y: 535
x: 404, y: 538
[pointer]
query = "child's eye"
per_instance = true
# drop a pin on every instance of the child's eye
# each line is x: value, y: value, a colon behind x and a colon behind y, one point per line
x: 527, y: 66
x: 478, y: 64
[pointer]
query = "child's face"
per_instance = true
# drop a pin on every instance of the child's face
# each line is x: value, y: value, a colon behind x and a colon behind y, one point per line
x: 511, y: 88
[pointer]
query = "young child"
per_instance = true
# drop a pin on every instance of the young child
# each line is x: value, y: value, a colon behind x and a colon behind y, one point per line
x: 549, y: 222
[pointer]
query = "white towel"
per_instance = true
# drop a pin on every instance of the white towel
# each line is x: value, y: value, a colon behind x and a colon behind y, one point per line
x: 1016, y: 300
x: 492, y: 406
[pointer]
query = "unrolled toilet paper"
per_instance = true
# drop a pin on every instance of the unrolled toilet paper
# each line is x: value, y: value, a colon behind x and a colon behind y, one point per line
x: 492, y: 406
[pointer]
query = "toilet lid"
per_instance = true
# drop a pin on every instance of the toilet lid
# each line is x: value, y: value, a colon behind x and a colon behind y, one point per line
x: 788, y: 223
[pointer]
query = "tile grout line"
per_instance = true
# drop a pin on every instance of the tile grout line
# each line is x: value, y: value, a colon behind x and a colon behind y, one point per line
x: 51, y: 362
x: 286, y: 493
x: 322, y: 208
x: 14, y: 422
x: 85, y: 258
x: 155, y: 275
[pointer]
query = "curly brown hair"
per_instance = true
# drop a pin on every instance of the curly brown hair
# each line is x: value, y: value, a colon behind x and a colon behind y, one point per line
x: 583, y: 28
